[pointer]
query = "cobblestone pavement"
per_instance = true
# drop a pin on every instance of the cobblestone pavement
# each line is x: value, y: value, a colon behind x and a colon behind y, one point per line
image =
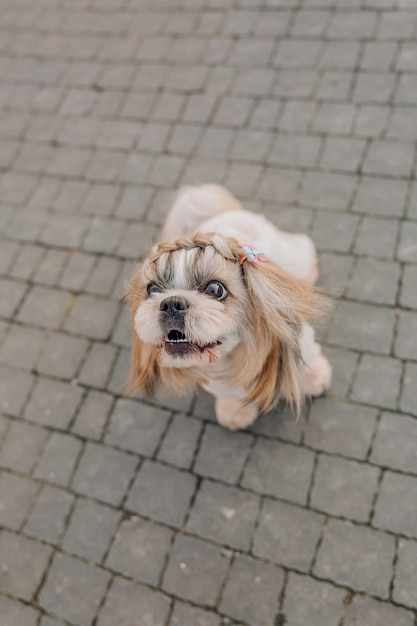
x: 118, y: 512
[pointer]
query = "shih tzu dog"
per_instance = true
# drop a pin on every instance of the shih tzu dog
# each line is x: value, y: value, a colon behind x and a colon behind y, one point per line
x: 225, y: 302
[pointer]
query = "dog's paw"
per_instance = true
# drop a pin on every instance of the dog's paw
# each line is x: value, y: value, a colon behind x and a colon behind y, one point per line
x: 318, y: 376
x: 234, y: 415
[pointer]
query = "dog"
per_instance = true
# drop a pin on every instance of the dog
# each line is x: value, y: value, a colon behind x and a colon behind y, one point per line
x: 225, y: 301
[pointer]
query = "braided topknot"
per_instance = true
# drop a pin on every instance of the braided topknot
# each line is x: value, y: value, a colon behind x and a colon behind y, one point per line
x: 227, y: 247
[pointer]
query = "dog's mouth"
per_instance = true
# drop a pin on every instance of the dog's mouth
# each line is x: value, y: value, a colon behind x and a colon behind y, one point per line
x: 177, y: 344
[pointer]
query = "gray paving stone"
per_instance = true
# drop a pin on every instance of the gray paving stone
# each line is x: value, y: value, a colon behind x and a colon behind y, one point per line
x: 61, y: 355
x: 389, y: 158
x: 139, y: 550
x: 91, y: 317
x: 15, y: 387
x: 90, y: 530
x: 357, y: 557
x: 374, y: 87
x: 222, y: 454
x: 97, y: 366
x: 21, y: 446
x: 395, y: 432
x: 342, y: 154
x: 254, y: 82
x: 27, y: 261
x: 335, y: 271
x: 362, y: 327
x: 276, y: 184
x: 250, y: 145
x: 11, y: 293
x: 402, y: 124
x: 252, y: 591
x: 106, y: 167
x: 395, y: 509
x: 161, y: 493
x: 73, y: 590
x: 363, y: 610
x: 50, y: 267
x: 48, y: 517
x: 15, y: 613
x: 344, y: 364
x: 405, y: 344
x: 297, y: 116
x: 407, y: 250
x: 377, y: 381
x: 24, y: 563
x: 104, y: 473
x: 103, y: 235
x: 405, y: 93
x: 344, y: 488
x: 136, y: 427
x: 44, y: 307
x: 372, y: 121
x: 377, y: 237
x: 396, y: 25
x: 119, y: 372
x: 187, y: 615
x: 326, y: 190
x: 199, y: 107
x: 287, y: 534
x: 301, y: 151
x: 279, y: 469
x: 196, y: 570
x: 280, y: 423
x: 52, y: 403
x: 179, y: 444
x: 16, y: 497
x: 340, y: 428
x: 21, y: 347
x: 224, y: 514
x: 49, y: 621
x: 408, y: 395
x: 412, y: 208
x: 405, y: 579
x: 381, y: 197
x: 335, y: 85
x: 307, y: 600
x: 136, y: 240
x: 334, y: 231
x: 408, y: 295
x: 340, y: 54
x: 297, y: 53
x: 92, y: 417
x: 25, y: 226
x: 58, y: 459
x: 123, y: 601
x: 76, y: 271
x: 8, y: 253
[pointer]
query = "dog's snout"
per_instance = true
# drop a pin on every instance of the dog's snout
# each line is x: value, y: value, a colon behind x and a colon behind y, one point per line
x: 174, y: 305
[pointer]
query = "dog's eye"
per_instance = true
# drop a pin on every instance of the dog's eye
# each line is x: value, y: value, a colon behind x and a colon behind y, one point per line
x: 216, y: 290
x: 153, y: 288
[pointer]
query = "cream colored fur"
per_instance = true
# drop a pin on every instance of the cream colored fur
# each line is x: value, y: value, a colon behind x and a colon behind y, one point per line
x: 256, y: 345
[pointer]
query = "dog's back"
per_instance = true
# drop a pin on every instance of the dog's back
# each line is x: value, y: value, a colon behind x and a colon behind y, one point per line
x: 195, y: 205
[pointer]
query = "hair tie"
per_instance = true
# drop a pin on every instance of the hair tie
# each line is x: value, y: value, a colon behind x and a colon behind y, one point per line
x: 251, y: 254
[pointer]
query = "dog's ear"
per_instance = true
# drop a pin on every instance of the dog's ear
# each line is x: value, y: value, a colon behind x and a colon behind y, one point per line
x: 144, y: 370
x: 280, y: 305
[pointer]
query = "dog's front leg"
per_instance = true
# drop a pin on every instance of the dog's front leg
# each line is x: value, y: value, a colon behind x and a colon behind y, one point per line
x: 316, y: 369
x: 233, y: 414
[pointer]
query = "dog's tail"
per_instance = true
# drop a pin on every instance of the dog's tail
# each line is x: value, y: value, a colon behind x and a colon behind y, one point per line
x: 195, y: 205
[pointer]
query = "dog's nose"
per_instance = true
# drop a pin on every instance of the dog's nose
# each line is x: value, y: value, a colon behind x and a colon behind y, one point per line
x: 174, y: 305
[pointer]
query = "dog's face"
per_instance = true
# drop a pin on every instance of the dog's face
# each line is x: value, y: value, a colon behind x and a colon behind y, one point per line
x: 193, y: 303
x: 191, y: 306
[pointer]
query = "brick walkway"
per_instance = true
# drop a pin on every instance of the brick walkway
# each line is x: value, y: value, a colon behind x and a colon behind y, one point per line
x: 116, y: 512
